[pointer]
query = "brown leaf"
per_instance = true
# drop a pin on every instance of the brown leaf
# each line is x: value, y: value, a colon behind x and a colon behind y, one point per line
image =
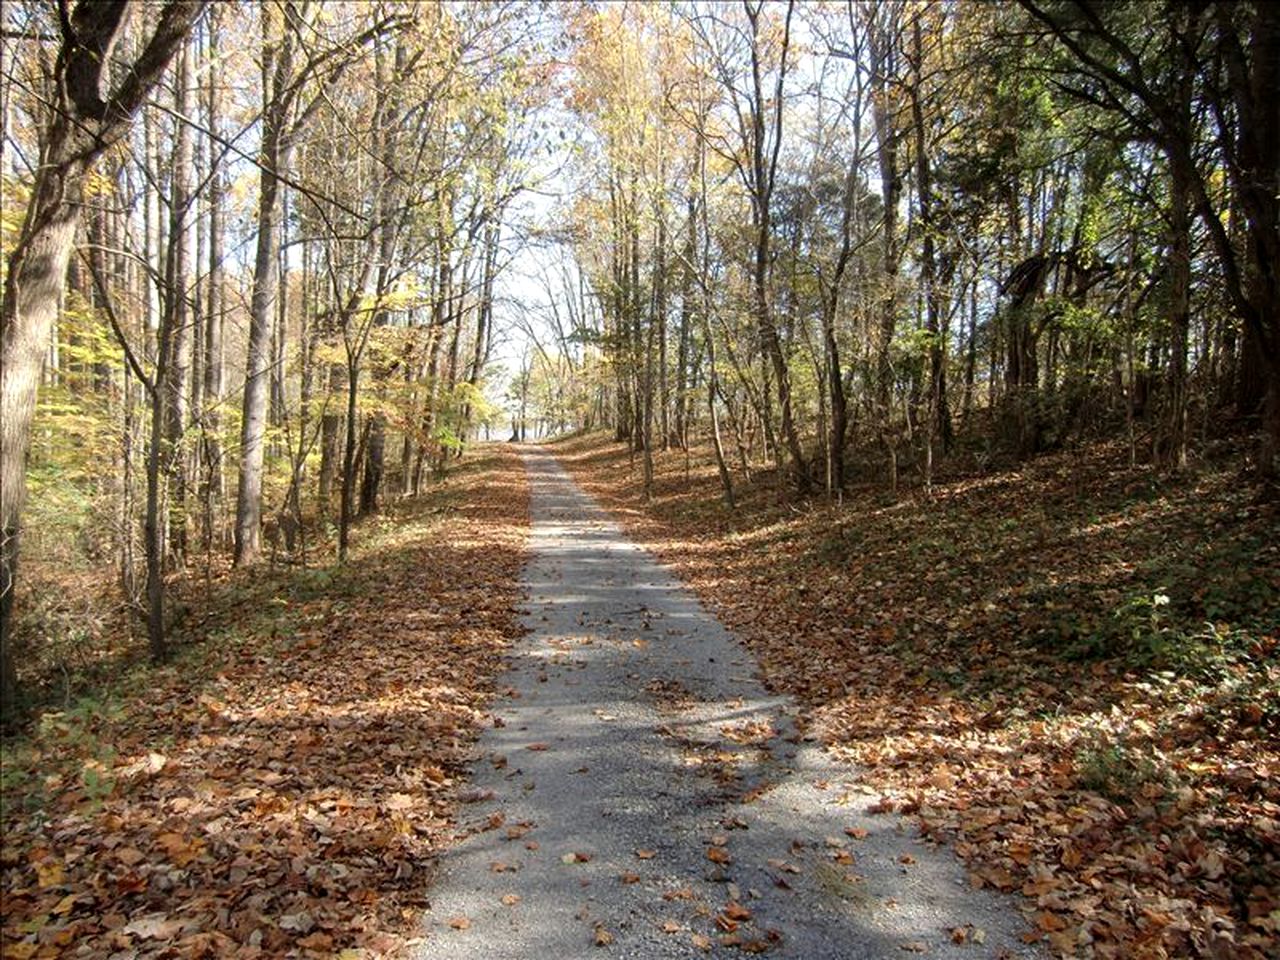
x: 317, y: 941
x: 736, y: 911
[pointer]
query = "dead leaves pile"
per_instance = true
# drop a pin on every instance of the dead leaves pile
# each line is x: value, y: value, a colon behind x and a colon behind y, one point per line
x: 293, y: 802
x: 1138, y: 811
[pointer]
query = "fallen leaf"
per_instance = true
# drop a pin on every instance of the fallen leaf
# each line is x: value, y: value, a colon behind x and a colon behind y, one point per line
x: 736, y: 911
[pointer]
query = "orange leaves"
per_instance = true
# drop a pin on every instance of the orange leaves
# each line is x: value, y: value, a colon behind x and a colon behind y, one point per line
x: 180, y: 849
x: 289, y: 794
x: 736, y: 911
x: 1123, y: 805
x: 718, y: 855
x: 995, y: 876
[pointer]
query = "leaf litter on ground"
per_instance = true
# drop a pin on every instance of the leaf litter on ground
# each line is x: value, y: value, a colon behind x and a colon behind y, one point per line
x: 1071, y: 672
x: 287, y: 785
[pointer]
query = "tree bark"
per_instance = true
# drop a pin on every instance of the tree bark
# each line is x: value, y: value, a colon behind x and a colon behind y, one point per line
x: 177, y: 315
x: 83, y: 124
x: 277, y: 69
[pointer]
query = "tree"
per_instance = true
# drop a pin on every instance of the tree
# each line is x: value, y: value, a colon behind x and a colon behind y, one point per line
x: 1152, y: 91
x: 90, y: 114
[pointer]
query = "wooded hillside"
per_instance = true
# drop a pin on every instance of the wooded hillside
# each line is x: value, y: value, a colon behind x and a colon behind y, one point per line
x: 943, y: 289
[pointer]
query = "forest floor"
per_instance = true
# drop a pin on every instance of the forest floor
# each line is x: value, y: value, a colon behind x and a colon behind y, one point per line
x: 287, y: 782
x: 1070, y: 670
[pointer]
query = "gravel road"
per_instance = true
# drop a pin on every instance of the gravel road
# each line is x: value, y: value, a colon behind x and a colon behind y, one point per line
x: 642, y: 795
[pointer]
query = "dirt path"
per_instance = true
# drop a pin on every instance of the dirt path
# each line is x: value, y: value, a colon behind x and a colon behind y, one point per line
x: 644, y: 794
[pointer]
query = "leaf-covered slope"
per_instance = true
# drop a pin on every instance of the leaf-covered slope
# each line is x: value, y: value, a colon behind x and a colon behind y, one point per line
x: 1072, y: 670
x: 286, y: 786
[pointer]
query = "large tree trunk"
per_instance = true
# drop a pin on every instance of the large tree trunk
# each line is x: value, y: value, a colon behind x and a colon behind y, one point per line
x: 277, y: 58
x: 86, y: 121
x: 764, y: 160
x: 882, y: 35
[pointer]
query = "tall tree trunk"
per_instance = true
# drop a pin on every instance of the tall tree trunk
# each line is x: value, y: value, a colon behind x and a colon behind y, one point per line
x: 764, y: 163
x: 1174, y: 451
x: 660, y: 318
x: 83, y: 124
x: 277, y: 69
x: 882, y: 39
x: 177, y: 314
x: 214, y: 359
x: 686, y: 328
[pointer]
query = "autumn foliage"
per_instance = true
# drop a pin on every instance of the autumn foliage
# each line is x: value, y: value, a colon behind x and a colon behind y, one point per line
x: 287, y: 785
x: 1069, y: 669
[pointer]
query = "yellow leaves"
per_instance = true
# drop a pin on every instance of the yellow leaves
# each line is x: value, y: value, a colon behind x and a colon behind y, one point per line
x: 98, y: 184
x: 49, y: 873
x: 602, y: 936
